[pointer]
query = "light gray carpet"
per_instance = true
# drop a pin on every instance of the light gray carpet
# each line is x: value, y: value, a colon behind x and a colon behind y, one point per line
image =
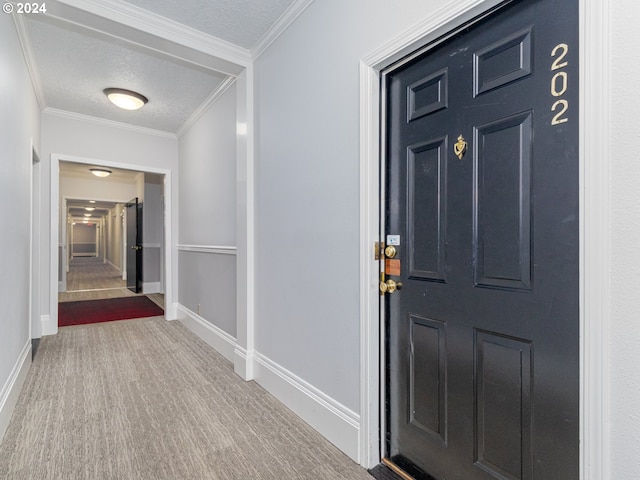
x: 146, y: 399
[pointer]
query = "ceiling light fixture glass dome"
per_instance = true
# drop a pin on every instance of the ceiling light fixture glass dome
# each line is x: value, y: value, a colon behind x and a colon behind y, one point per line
x: 125, y: 98
x: 100, y: 172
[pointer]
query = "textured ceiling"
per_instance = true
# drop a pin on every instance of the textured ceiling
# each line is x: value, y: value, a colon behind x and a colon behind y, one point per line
x: 75, y: 62
x: 241, y: 22
x: 76, y: 65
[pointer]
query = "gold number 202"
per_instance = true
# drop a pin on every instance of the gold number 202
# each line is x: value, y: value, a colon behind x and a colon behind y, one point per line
x: 559, y: 83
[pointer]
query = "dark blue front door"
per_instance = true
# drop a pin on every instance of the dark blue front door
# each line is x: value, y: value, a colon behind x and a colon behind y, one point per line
x: 482, y: 206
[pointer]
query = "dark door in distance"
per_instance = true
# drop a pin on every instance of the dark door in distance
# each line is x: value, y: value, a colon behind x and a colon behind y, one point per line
x: 134, y: 245
x: 482, y: 196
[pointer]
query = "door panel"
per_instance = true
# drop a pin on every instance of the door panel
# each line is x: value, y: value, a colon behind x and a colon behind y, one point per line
x: 503, y: 370
x: 502, y: 210
x: 427, y: 177
x: 482, y: 341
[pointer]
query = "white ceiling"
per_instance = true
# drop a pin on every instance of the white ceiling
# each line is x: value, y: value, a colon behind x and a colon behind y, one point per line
x: 176, y: 53
x: 240, y: 22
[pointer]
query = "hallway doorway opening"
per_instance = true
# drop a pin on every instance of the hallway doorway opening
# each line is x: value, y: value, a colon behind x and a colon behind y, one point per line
x: 88, y: 260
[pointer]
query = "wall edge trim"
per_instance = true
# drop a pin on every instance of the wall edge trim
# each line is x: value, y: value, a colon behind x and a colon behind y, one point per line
x: 216, y: 249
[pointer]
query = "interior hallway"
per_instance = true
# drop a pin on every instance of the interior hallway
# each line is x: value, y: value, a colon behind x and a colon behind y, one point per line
x: 89, y: 278
x: 147, y: 399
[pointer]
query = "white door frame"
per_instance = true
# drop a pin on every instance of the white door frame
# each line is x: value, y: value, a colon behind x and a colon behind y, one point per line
x: 34, y: 246
x: 170, y: 312
x: 595, y: 319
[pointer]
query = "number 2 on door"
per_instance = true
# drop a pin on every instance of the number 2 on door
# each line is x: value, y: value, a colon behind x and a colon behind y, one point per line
x: 559, y: 83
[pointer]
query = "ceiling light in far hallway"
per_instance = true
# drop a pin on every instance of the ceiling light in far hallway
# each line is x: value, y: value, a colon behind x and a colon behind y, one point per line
x: 100, y: 172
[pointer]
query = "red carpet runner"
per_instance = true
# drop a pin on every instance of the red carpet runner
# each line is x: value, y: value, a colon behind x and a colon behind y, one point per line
x: 96, y: 311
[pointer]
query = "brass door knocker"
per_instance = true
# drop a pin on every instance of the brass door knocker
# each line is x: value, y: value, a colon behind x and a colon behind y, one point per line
x: 460, y: 147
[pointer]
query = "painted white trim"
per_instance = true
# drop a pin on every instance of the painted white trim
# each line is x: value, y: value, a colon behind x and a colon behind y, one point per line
x: 29, y: 58
x: 12, y: 387
x: 170, y: 312
x: 51, y: 327
x: 449, y: 17
x: 243, y: 363
x: 334, y: 421
x: 230, y: 57
x: 217, y: 249
x: 292, y: 12
x: 56, y: 112
x: 206, y: 105
x: 215, y: 337
x: 34, y: 243
x: 245, y: 221
x: 47, y: 327
x: 594, y: 209
x: 595, y: 241
x: 370, y: 351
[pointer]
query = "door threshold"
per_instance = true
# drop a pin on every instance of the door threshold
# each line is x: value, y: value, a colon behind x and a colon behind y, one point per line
x: 387, y: 469
x: 382, y: 472
x: 396, y: 469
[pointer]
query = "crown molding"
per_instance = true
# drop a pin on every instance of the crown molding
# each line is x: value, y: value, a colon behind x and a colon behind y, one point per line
x: 290, y: 14
x: 30, y: 61
x: 202, y: 109
x: 126, y: 21
x: 56, y: 112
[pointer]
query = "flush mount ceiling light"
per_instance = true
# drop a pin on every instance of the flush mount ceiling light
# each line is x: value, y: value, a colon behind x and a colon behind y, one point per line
x: 100, y: 172
x: 89, y: 209
x: 125, y: 98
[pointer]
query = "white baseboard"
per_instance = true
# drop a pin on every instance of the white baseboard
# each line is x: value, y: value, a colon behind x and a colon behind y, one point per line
x: 243, y: 363
x: 337, y: 423
x: 170, y: 310
x: 151, y: 287
x: 13, y: 386
x: 215, y: 337
x: 46, y: 326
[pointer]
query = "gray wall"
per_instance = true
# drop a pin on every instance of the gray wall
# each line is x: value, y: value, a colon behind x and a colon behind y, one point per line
x: 19, y: 125
x: 623, y: 439
x: 307, y: 188
x: 152, y: 221
x: 84, y: 239
x: 114, y: 236
x: 208, y: 215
